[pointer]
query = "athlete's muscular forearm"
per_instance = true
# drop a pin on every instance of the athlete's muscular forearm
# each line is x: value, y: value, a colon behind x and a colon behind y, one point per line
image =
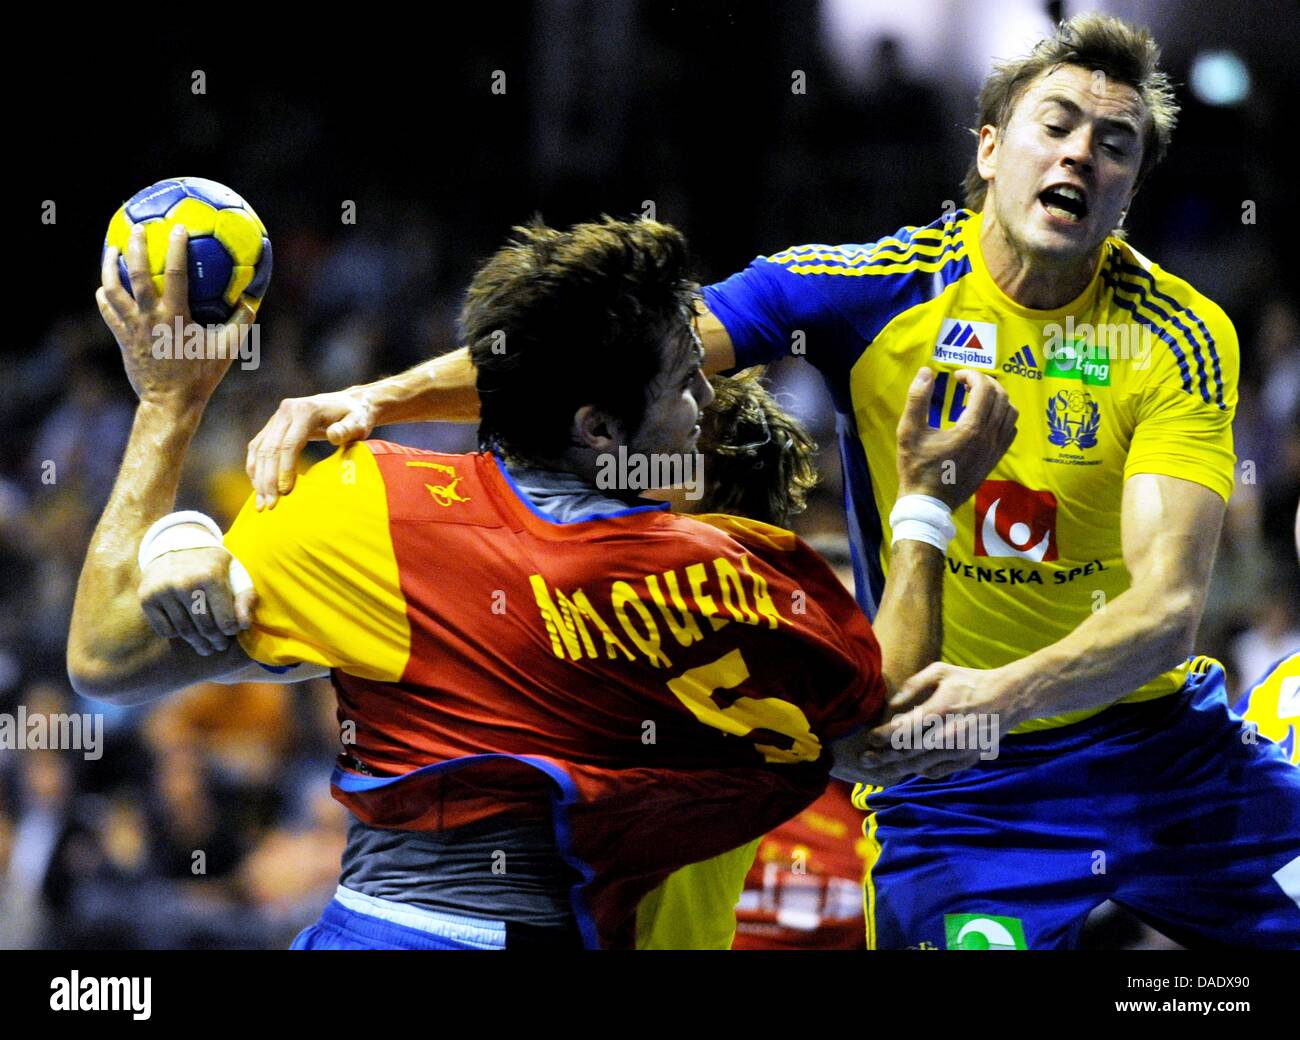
x: 109, y: 637
x: 442, y: 390
x: 1170, y: 530
x: 909, y: 622
x: 1137, y: 636
x: 113, y: 654
x: 909, y: 628
x: 445, y: 389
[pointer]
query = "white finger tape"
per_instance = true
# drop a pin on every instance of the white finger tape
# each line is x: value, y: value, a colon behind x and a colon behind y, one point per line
x: 239, y: 577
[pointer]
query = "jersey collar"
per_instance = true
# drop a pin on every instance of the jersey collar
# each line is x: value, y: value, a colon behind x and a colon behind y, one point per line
x: 988, y: 288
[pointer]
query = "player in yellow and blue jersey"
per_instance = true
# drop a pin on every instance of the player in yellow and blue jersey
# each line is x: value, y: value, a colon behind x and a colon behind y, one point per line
x: 1077, y: 577
x: 1078, y: 574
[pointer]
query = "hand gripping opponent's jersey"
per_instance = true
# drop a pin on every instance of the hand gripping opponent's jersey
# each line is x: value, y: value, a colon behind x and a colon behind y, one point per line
x: 663, y: 687
x: 1136, y: 375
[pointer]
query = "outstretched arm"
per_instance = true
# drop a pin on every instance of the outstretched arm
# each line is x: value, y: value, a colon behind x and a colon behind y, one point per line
x: 909, y: 622
x: 443, y: 389
x: 1170, y: 528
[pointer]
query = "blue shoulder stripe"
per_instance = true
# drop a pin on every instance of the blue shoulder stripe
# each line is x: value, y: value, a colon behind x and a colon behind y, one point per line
x: 1194, y: 318
x: 949, y: 237
x: 914, y: 288
x: 1112, y: 279
x: 885, y: 255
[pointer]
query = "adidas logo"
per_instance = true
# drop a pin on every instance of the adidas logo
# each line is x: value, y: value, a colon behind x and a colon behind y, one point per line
x: 1023, y: 363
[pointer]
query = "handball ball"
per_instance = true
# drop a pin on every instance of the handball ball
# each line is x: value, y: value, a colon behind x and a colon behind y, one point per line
x: 229, y: 251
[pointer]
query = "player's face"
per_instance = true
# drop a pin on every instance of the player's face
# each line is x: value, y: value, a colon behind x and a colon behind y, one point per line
x: 1066, y: 164
x: 674, y: 400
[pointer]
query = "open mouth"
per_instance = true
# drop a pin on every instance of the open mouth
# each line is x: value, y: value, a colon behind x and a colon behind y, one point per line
x: 1064, y: 202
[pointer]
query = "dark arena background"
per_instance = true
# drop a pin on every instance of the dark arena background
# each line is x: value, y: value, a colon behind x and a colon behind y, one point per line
x: 443, y: 132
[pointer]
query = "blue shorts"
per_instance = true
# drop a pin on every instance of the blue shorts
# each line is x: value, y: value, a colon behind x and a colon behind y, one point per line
x: 352, y: 921
x: 1171, y: 808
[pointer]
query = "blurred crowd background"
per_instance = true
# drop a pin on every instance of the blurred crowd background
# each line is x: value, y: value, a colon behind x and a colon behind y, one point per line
x: 682, y: 110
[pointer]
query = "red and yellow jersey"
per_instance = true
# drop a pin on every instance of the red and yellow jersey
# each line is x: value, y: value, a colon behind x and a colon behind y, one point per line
x: 662, y: 686
x: 1273, y: 705
x: 1137, y: 375
x: 804, y: 890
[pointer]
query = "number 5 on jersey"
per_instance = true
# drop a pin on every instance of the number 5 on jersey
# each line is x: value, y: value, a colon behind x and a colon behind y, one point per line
x: 755, y: 718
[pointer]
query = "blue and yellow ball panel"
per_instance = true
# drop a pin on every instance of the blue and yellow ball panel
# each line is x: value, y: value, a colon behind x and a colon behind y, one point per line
x: 261, y: 273
x: 154, y: 202
x: 216, y: 195
x: 229, y: 251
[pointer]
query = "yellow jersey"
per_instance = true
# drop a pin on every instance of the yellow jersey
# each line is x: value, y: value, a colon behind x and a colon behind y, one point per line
x: 1138, y: 374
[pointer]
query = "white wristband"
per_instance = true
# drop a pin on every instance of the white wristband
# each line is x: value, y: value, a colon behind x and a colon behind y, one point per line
x: 178, y: 531
x: 189, y: 529
x: 922, y: 519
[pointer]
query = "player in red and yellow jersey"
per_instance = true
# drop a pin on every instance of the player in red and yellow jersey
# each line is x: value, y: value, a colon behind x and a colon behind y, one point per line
x: 552, y: 693
x: 799, y: 887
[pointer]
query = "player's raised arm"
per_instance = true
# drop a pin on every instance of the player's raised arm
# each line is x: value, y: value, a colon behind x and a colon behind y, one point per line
x: 441, y: 390
x: 944, y: 466
x: 938, y: 470
x: 113, y: 655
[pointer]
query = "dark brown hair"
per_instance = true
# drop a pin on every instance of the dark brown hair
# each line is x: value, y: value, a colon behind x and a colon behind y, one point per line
x: 555, y: 320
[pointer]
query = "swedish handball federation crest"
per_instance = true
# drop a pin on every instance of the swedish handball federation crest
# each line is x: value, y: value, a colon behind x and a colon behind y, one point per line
x: 1073, y: 417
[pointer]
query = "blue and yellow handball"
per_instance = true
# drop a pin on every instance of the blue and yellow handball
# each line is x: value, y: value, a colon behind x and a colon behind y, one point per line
x: 229, y: 250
